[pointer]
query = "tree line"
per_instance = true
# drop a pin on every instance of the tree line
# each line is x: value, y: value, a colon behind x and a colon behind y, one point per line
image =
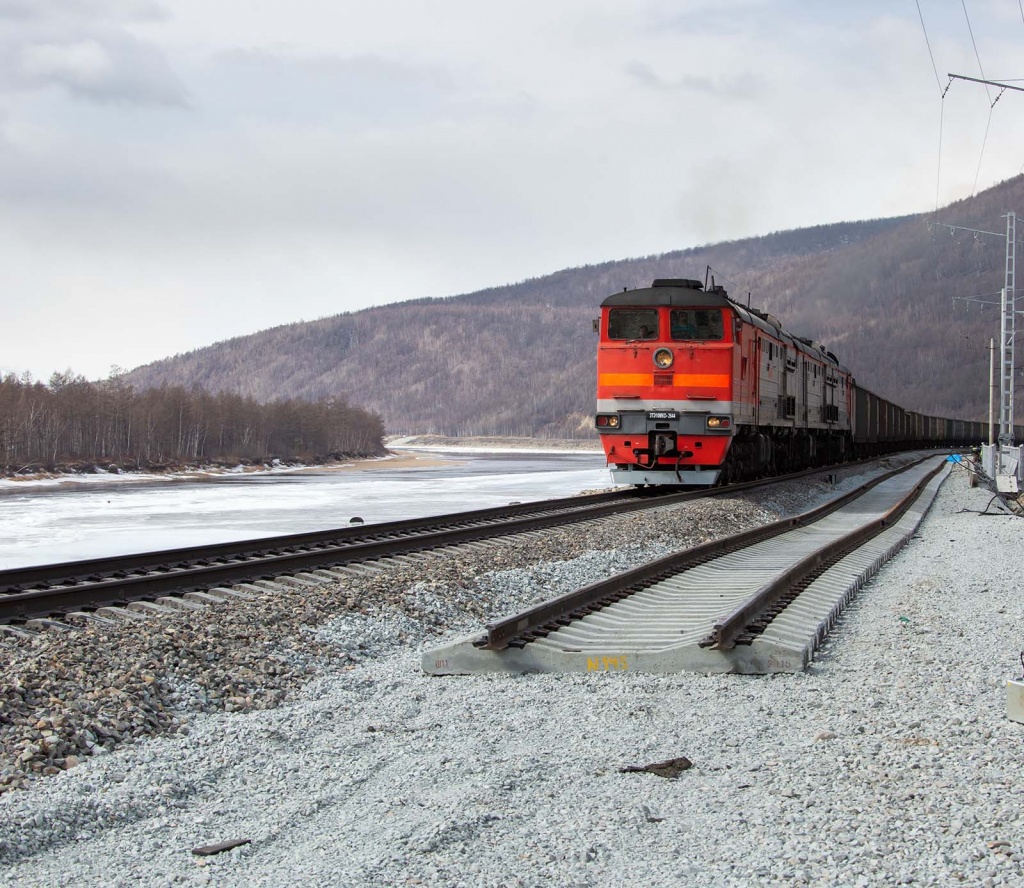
x: 70, y: 420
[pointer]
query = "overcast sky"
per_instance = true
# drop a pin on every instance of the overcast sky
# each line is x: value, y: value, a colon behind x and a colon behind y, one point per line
x: 177, y: 173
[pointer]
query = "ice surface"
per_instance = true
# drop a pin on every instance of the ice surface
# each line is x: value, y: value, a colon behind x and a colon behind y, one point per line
x: 48, y: 526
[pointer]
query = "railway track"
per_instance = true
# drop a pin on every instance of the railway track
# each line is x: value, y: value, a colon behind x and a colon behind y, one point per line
x: 47, y: 591
x: 757, y: 602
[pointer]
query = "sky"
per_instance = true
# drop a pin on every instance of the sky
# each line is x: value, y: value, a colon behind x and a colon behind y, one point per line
x: 173, y: 174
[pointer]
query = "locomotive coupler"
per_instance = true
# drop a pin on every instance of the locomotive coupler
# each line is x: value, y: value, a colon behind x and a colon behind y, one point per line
x: 664, y: 445
x: 659, y: 445
x: 640, y: 452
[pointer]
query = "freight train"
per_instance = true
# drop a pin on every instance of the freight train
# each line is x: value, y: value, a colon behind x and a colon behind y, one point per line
x: 695, y: 389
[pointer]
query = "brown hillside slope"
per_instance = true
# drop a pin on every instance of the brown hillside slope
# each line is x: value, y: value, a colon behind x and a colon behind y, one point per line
x: 519, y: 359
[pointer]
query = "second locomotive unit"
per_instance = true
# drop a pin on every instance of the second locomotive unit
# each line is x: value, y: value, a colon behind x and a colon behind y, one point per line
x: 695, y: 389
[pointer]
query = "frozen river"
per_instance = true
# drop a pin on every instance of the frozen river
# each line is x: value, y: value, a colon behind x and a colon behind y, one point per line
x: 90, y: 520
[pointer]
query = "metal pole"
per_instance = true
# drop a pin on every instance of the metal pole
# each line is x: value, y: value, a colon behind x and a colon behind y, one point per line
x: 1005, y: 385
x: 1006, y: 336
x: 991, y: 392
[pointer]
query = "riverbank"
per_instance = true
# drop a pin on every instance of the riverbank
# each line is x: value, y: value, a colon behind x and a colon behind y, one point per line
x: 493, y: 444
x: 96, y: 476
x: 402, y: 451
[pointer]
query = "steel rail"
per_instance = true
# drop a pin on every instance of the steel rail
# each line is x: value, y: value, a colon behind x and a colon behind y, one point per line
x: 121, y: 583
x: 519, y: 629
x: 112, y: 590
x: 99, y: 582
x: 22, y: 578
x: 725, y: 632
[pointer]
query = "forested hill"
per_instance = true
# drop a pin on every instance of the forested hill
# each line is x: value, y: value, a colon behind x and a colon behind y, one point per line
x: 520, y: 359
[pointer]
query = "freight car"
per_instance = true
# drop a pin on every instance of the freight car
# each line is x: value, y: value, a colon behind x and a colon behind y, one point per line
x: 695, y: 389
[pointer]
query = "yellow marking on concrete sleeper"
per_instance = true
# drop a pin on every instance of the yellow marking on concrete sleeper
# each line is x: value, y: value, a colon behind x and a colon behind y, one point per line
x: 607, y: 664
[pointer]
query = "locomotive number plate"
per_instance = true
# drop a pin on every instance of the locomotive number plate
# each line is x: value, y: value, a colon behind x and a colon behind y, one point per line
x: 663, y: 414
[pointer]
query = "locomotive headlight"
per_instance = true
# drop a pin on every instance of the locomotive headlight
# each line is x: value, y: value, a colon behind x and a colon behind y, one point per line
x: 663, y: 358
x: 606, y: 421
x: 719, y: 422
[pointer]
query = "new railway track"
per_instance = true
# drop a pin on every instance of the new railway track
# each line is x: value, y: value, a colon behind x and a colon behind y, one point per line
x: 759, y: 601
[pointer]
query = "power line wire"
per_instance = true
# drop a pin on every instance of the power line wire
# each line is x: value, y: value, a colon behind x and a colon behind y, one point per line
x: 938, y: 164
x: 981, y: 156
x: 991, y: 103
x: 970, y: 30
x: 927, y: 42
x: 942, y: 105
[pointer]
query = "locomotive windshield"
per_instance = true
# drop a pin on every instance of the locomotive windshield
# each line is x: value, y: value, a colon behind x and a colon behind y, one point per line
x: 633, y: 323
x: 697, y: 323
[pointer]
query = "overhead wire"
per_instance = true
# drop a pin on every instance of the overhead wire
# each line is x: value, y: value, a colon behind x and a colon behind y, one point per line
x: 928, y: 43
x: 981, y: 156
x: 942, y: 104
x: 938, y: 163
x: 991, y: 104
x: 970, y: 30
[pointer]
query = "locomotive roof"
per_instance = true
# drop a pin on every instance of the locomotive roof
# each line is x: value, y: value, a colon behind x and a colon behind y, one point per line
x: 691, y: 294
x: 675, y: 293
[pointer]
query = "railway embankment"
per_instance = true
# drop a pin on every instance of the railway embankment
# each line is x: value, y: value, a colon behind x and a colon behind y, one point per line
x: 890, y: 760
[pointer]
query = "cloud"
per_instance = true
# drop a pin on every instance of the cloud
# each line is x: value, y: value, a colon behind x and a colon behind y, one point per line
x: 85, y: 48
x: 743, y: 86
x: 81, y: 10
x: 329, y: 89
x: 114, y: 68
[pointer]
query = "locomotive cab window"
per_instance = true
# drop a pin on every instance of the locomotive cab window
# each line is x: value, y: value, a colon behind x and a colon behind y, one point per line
x: 633, y: 323
x: 696, y: 323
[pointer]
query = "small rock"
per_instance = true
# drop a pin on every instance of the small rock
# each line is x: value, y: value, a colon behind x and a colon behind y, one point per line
x: 649, y: 815
x: 670, y: 769
x: 207, y: 850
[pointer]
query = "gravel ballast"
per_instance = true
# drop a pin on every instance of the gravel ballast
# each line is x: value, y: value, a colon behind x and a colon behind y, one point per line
x: 890, y: 760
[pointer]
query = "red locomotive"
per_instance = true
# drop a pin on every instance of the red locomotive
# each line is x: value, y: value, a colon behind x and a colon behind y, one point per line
x: 695, y: 389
